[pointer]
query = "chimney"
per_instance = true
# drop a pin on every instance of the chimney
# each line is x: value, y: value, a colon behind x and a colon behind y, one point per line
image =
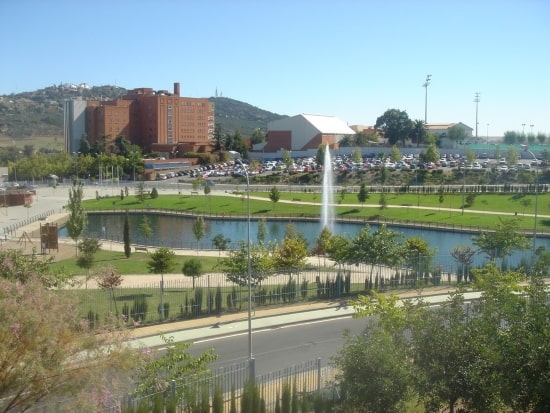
x: 177, y: 89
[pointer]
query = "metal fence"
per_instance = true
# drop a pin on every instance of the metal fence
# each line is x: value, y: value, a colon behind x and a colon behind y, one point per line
x: 309, y: 380
x: 213, y: 294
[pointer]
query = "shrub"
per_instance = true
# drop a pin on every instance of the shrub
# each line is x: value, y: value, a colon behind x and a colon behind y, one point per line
x: 154, y: 193
x: 139, y: 308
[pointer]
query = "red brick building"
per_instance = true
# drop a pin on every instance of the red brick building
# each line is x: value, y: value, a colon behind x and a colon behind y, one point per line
x: 157, y: 121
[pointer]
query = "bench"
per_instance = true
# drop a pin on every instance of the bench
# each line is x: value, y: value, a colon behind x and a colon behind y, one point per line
x: 194, y: 193
x: 144, y: 249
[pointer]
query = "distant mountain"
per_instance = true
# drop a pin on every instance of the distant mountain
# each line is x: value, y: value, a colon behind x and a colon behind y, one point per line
x: 234, y: 115
x: 40, y: 113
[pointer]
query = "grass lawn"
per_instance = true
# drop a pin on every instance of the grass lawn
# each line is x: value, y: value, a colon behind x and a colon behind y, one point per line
x: 401, y: 207
x: 136, y: 264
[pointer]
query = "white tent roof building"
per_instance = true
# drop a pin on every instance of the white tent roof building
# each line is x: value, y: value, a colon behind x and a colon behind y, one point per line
x: 303, y: 132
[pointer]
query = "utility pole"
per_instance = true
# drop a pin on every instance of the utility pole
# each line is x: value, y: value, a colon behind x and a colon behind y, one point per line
x: 425, y: 85
x: 476, y: 100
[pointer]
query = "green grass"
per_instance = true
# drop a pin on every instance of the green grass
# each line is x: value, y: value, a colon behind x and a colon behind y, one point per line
x: 308, y: 205
x: 136, y: 264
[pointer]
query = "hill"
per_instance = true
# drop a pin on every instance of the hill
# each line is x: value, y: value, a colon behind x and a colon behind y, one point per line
x: 40, y: 113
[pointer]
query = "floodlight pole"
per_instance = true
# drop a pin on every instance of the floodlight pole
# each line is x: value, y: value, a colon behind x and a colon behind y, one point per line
x: 534, y: 247
x: 425, y: 85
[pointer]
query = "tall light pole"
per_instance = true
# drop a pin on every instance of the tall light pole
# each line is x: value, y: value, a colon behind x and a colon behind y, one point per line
x: 425, y: 85
x: 251, y: 367
x: 534, y: 247
x: 523, y: 126
x: 531, y: 126
x: 476, y: 100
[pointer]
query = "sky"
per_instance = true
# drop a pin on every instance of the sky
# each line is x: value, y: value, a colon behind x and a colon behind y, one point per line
x: 353, y: 59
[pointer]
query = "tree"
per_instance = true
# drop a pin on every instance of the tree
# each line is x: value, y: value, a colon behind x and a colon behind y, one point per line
x: 262, y: 231
x: 357, y: 156
x: 374, y: 375
x: 395, y: 154
x: 382, y: 201
x: 161, y: 261
x: 19, y: 267
x: 287, y: 159
x: 464, y: 256
x: 396, y: 125
x: 258, y: 136
x: 107, y: 278
x: 457, y: 133
x: 199, y: 230
x: 417, y: 255
x: 157, y: 371
x: 192, y: 268
x: 291, y: 254
x: 274, y: 195
x: 363, y: 194
x: 221, y: 243
x: 235, y: 265
x: 145, y: 227
x: 431, y: 154
x: 418, y: 132
x: 77, y: 216
x: 512, y: 156
x: 140, y: 192
x: 49, y: 353
x: 126, y: 236
x: 88, y: 247
x: 498, y: 244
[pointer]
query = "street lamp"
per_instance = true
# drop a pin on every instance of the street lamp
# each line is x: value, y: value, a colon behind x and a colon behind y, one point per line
x: 252, y: 374
x: 534, y: 247
x: 425, y: 85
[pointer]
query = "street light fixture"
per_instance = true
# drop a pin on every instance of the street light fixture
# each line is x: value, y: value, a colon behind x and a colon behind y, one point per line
x: 252, y: 373
x: 425, y: 85
x: 534, y: 247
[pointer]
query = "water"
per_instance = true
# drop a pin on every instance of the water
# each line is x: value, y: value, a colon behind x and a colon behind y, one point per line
x: 177, y: 232
x: 327, y: 206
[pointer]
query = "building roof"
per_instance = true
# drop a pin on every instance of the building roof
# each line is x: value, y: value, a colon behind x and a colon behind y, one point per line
x: 440, y: 126
x: 329, y: 124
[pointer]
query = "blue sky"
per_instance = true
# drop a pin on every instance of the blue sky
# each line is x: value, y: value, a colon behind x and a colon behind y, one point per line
x: 352, y: 58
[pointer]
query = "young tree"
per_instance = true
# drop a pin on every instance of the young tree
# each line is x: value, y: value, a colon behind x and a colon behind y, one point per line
x: 77, y: 216
x: 363, y: 194
x: 141, y: 191
x: 262, y: 231
x: 199, y: 230
x: 464, y: 256
x: 126, y: 236
x: 145, y: 227
x: 291, y: 255
x: 161, y: 261
x: 395, y: 154
x: 382, y: 201
x: 157, y: 371
x: 88, y: 247
x: 192, y: 268
x: 235, y: 265
x: 274, y: 195
x: 108, y: 279
x: 498, y: 244
x: 221, y: 243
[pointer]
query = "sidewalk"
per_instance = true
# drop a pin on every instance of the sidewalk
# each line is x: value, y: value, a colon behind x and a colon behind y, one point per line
x: 237, y: 323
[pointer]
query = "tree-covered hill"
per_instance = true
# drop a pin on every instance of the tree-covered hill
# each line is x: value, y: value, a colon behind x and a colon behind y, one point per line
x: 40, y: 113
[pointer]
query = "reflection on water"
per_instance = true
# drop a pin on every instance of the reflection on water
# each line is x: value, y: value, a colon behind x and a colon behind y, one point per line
x: 177, y: 232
